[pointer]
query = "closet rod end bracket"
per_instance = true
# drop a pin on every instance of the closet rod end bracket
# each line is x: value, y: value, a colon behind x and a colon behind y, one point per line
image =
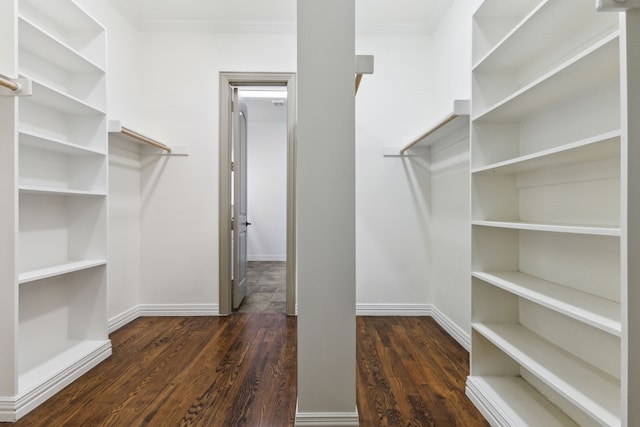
x: 24, y: 87
x: 617, y: 5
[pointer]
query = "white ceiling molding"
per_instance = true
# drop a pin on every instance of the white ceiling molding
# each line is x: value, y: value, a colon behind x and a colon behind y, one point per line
x: 391, y: 29
x: 173, y: 25
x: 201, y: 19
x: 128, y: 12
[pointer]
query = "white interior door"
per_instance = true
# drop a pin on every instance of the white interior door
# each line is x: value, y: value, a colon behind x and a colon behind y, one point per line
x: 239, y: 126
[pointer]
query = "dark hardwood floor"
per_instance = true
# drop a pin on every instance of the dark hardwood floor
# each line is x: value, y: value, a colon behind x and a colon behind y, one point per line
x: 241, y: 371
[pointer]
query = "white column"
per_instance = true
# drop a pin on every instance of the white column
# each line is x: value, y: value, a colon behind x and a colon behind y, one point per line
x: 8, y: 209
x: 630, y: 53
x: 326, y: 213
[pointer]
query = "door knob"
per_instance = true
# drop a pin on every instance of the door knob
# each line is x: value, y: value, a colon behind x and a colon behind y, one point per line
x: 247, y: 223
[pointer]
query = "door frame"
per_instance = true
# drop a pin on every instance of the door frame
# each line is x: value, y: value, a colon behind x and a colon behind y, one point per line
x: 228, y: 79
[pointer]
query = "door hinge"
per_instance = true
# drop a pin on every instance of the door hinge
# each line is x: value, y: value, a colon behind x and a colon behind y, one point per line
x: 233, y: 223
x: 233, y: 166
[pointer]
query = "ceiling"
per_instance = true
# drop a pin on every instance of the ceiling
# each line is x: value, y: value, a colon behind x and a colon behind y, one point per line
x: 415, y: 16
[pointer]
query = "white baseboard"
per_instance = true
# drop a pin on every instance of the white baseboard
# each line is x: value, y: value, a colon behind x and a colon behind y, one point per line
x: 123, y: 318
x: 178, y: 309
x: 394, y: 309
x: 456, y: 332
x: 327, y: 419
x: 266, y: 257
x: 478, y: 397
x: 148, y: 310
x: 13, y: 408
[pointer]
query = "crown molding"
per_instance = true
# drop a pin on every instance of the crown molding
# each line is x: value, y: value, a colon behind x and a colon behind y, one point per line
x: 128, y: 12
x: 218, y: 26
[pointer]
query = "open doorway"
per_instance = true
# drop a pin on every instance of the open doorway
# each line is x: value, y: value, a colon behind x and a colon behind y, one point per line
x: 258, y: 249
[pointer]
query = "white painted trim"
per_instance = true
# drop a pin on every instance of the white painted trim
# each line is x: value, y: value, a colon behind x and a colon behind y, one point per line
x: 7, y: 409
x: 178, y: 310
x: 266, y: 257
x: 456, y: 332
x: 394, y: 309
x: 123, y: 318
x: 485, y: 405
x: 12, y: 408
x: 327, y: 419
x: 210, y: 26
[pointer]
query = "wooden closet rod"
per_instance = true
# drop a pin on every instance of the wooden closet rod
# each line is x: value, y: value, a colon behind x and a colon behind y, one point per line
x: 143, y: 138
x: 11, y: 85
x: 429, y: 132
x: 358, y: 80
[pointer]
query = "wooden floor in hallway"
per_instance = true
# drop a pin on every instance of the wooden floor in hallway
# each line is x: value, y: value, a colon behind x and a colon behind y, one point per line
x: 241, y: 371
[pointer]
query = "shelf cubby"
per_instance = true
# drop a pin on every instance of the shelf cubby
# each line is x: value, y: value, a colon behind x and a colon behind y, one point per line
x: 596, y: 311
x: 63, y: 306
x: 595, y: 65
x: 60, y: 166
x: 492, y: 22
x: 590, y: 389
x: 56, y: 229
x: 530, y: 50
x: 65, y: 21
x: 59, y: 66
x: 86, y: 129
x: 521, y: 404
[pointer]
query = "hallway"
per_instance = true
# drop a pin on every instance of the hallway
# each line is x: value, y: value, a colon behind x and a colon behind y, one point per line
x: 266, y: 288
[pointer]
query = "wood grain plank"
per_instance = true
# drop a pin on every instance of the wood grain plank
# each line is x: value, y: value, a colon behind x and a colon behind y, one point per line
x: 241, y: 371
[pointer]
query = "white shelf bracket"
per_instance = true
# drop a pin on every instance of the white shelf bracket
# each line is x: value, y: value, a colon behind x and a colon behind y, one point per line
x: 617, y: 5
x: 364, y: 65
x: 15, y: 87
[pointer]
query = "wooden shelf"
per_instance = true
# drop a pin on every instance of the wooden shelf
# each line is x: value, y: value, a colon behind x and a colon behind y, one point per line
x: 519, y: 403
x: 590, y: 389
x: 597, y: 147
x: 56, y: 270
x: 598, y: 63
x: 554, y: 228
x: 590, y: 309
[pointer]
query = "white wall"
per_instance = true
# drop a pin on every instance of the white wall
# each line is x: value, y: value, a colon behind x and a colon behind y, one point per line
x: 266, y: 190
x: 392, y: 211
x: 449, y: 166
x: 180, y: 194
x: 451, y: 60
x: 166, y: 84
x: 123, y: 103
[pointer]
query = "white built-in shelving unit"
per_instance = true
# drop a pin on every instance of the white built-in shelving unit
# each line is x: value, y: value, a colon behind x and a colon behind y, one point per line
x: 57, y: 329
x: 548, y: 152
